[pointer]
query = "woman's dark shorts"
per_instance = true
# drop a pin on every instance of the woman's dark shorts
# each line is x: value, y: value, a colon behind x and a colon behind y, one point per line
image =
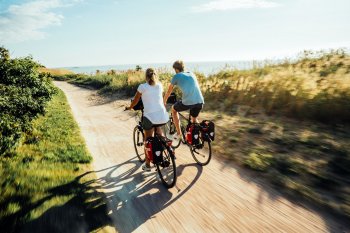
x: 148, y: 125
x: 194, y: 108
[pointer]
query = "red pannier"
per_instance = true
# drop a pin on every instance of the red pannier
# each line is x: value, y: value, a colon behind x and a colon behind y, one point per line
x: 154, y: 150
x: 192, y: 133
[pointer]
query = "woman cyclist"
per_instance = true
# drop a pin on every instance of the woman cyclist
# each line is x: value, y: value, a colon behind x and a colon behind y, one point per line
x: 155, y: 114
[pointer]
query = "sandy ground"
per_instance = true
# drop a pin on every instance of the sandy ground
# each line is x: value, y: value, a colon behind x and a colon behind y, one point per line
x: 219, y: 197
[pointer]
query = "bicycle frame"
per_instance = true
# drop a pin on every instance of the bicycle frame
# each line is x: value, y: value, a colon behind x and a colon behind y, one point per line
x: 201, y: 152
x: 188, y: 121
x: 164, y: 161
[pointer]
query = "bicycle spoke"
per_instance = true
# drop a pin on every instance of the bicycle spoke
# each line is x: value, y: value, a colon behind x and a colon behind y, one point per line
x: 167, y: 170
x: 169, y: 130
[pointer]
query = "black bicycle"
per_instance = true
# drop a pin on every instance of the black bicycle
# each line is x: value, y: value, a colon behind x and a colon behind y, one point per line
x: 201, y: 151
x: 166, y: 165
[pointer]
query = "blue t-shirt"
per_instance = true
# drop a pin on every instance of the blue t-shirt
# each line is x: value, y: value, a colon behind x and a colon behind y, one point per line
x: 188, y: 84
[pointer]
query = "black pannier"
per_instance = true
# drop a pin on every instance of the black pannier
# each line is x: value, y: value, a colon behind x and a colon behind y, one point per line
x: 172, y: 99
x: 157, y: 149
x: 208, y: 128
x: 139, y: 105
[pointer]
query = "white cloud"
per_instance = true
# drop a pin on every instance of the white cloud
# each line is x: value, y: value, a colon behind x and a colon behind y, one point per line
x: 223, y: 5
x: 27, y: 21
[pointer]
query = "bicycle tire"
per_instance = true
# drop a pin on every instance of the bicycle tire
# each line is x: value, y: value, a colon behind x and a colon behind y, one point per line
x: 165, y: 169
x: 138, y: 143
x: 202, y: 156
x: 169, y: 131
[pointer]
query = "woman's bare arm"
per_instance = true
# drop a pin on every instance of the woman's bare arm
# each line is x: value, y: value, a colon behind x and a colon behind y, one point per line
x: 135, y: 100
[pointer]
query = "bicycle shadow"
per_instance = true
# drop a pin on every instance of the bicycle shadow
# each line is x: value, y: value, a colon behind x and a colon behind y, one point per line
x: 123, y: 198
x: 141, y: 199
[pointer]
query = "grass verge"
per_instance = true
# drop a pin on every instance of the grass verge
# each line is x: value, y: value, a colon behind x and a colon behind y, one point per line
x: 44, y: 182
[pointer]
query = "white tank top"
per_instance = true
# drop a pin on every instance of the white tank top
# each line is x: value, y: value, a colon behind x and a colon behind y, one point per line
x: 152, y: 98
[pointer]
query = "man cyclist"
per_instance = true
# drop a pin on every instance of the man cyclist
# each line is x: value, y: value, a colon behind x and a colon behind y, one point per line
x: 192, y: 98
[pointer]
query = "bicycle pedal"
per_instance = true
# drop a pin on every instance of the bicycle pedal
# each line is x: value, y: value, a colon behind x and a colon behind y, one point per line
x: 200, y: 146
x: 166, y: 164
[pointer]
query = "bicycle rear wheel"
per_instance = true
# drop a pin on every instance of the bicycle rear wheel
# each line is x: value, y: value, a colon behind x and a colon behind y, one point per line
x: 169, y: 131
x: 202, y: 153
x: 167, y: 169
x: 138, y: 143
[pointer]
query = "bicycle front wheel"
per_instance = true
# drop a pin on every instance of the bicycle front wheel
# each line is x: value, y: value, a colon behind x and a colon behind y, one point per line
x: 167, y: 169
x: 202, y: 153
x: 169, y: 131
x: 138, y: 144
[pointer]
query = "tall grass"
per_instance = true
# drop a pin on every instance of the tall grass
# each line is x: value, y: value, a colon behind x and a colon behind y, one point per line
x: 125, y: 82
x: 315, y: 87
x: 312, y: 88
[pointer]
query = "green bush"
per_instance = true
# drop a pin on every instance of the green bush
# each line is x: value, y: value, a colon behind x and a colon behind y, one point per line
x: 330, y: 69
x: 24, y: 93
x: 258, y: 161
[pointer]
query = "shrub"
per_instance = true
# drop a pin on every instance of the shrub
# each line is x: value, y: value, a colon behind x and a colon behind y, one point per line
x: 330, y: 69
x: 258, y: 161
x: 24, y: 93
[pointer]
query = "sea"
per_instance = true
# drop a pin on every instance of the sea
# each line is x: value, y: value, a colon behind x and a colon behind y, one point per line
x: 206, y: 68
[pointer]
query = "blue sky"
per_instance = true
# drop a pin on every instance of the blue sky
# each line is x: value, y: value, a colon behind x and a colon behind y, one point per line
x: 61, y: 33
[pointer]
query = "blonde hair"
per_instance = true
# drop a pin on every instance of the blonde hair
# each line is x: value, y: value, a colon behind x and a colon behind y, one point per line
x: 151, y: 76
x: 179, y: 65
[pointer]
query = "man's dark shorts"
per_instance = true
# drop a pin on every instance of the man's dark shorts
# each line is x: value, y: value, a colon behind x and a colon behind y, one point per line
x: 194, y: 108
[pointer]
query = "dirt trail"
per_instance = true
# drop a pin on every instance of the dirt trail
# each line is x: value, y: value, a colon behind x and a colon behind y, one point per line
x: 220, y: 197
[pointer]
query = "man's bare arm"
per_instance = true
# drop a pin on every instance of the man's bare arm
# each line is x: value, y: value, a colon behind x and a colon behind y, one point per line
x: 167, y: 94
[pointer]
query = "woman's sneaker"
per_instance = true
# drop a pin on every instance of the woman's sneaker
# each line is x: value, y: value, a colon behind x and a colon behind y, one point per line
x: 177, y: 137
x: 146, y: 167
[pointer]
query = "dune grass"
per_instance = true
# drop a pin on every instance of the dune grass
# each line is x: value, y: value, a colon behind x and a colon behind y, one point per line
x: 41, y: 174
x: 56, y: 72
x: 125, y: 82
x: 310, y: 88
x: 315, y: 87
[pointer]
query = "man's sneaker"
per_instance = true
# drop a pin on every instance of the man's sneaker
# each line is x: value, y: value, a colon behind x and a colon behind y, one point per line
x: 146, y: 167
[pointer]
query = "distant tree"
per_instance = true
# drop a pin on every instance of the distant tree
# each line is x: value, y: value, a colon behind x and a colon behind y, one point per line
x: 111, y: 72
x: 138, y: 68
